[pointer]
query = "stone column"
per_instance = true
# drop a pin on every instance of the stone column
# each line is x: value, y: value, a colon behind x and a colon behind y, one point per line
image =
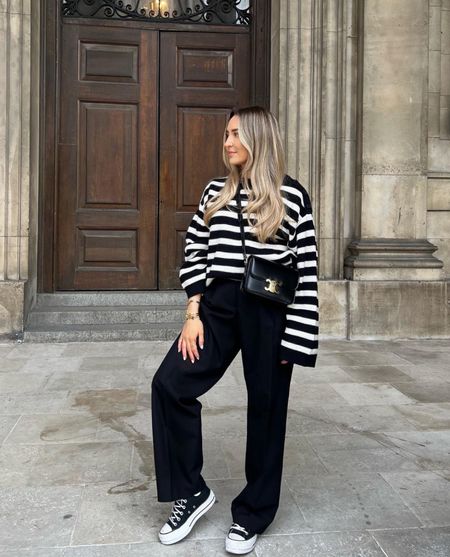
x: 391, y: 198
x: 15, y: 156
x: 314, y: 94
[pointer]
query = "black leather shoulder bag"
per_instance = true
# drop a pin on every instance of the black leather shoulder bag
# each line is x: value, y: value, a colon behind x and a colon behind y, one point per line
x: 264, y: 278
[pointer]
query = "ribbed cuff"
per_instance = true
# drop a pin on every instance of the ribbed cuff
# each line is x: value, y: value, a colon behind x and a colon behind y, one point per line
x: 195, y: 288
x: 305, y: 360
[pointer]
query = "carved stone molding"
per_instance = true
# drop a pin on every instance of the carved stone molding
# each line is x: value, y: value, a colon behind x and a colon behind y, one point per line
x: 392, y: 259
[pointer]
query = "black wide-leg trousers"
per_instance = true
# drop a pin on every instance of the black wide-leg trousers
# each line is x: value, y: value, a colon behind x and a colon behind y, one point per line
x: 232, y: 321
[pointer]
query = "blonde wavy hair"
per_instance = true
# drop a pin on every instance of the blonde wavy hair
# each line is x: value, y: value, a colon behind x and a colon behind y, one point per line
x: 261, y: 175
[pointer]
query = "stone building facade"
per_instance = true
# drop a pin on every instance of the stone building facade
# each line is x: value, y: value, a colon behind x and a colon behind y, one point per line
x: 362, y: 92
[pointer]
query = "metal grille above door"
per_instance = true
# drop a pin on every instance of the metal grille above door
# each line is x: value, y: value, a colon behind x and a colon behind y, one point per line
x: 225, y: 12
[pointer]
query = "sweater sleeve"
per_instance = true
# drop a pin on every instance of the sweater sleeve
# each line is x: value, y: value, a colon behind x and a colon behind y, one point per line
x: 299, y: 343
x: 193, y: 270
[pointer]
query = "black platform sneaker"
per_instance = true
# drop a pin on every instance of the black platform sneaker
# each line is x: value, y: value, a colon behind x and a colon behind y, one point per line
x: 239, y: 540
x: 185, y: 513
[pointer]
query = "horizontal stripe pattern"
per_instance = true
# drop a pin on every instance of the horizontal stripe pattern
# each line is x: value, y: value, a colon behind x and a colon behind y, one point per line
x: 216, y: 251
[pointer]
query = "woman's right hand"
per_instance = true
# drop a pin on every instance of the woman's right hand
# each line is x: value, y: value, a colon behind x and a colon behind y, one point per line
x: 187, y: 343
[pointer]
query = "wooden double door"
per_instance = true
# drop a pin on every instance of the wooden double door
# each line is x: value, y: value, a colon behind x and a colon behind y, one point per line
x: 141, y: 117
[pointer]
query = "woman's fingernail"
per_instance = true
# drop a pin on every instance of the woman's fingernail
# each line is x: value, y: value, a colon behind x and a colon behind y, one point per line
x: 184, y: 357
x: 201, y: 346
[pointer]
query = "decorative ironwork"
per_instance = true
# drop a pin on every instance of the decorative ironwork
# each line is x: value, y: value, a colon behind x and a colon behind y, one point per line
x: 225, y: 12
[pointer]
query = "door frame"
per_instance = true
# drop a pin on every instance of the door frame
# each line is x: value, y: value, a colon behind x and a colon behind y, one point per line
x: 50, y: 99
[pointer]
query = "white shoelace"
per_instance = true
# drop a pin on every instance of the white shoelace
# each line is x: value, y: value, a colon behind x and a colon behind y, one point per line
x: 177, y: 511
x: 237, y: 527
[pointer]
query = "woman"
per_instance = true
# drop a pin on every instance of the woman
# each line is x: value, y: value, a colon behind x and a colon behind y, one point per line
x: 221, y: 320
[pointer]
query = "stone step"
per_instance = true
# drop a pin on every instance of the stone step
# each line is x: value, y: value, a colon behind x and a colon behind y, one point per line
x: 98, y: 332
x: 113, y: 298
x: 42, y: 316
x: 103, y: 316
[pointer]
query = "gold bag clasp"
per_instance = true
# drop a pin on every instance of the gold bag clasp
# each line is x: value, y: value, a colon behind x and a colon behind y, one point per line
x: 274, y: 286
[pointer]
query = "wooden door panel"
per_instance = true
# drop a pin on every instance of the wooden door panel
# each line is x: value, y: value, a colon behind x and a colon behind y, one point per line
x: 199, y: 149
x: 107, y: 189
x: 202, y: 79
x: 109, y: 178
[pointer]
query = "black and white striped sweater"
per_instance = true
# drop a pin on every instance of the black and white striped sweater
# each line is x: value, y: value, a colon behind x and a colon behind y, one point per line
x: 216, y: 251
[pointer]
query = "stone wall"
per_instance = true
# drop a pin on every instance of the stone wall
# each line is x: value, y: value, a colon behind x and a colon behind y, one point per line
x: 438, y: 198
x: 15, y: 129
x: 350, y: 87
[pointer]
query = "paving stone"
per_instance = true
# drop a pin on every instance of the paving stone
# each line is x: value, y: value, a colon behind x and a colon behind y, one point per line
x: 87, y: 551
x: 81, y: 463
x: 21, y: 382
x: 5, y: 348
x: 368, y: 452
x: 51, y: 364
x: 54, y: 428
x: 9, y: 365
x: 417, y: 356
x: 223, y: 396
x: 16, y: 465
x: 370, y: 393
x: 135, y: 427
x: 234, y: 456
x: 429, y: 345
x: 374, y: 418
x: 108, y: 363
x: 325, y: 374
x: 426, y: 372
x: 119, y: 348
x: 299, y: 458
x: 190, y: 548
x: 93, y: 379
x: 330, y: 345
x: 36, y: 350
x: 335, y: 544
x: 422, y: 391
x: 426, y: 493
x: 417, y: 542
x: 431, y: 449
x: 360, y: 357
x: 105, y: 403
x: 224, y: 422
x: 310, y: 419
x: 38, y: 516
x: 6, y: 425
x: 322, y: 395
x: 344, y: 441
x: 364, y: 461
x: 375, y: 374
x: 350, y: 501
x: 121, y: 512
x: 428, y: 416
x: 32, y: 403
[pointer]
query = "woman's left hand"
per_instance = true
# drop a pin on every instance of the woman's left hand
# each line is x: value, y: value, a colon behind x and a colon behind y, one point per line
x: 284, y: 362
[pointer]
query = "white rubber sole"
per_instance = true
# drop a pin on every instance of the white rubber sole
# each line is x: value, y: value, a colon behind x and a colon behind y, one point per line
x: 183, y: 531
x: 239, y: 548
